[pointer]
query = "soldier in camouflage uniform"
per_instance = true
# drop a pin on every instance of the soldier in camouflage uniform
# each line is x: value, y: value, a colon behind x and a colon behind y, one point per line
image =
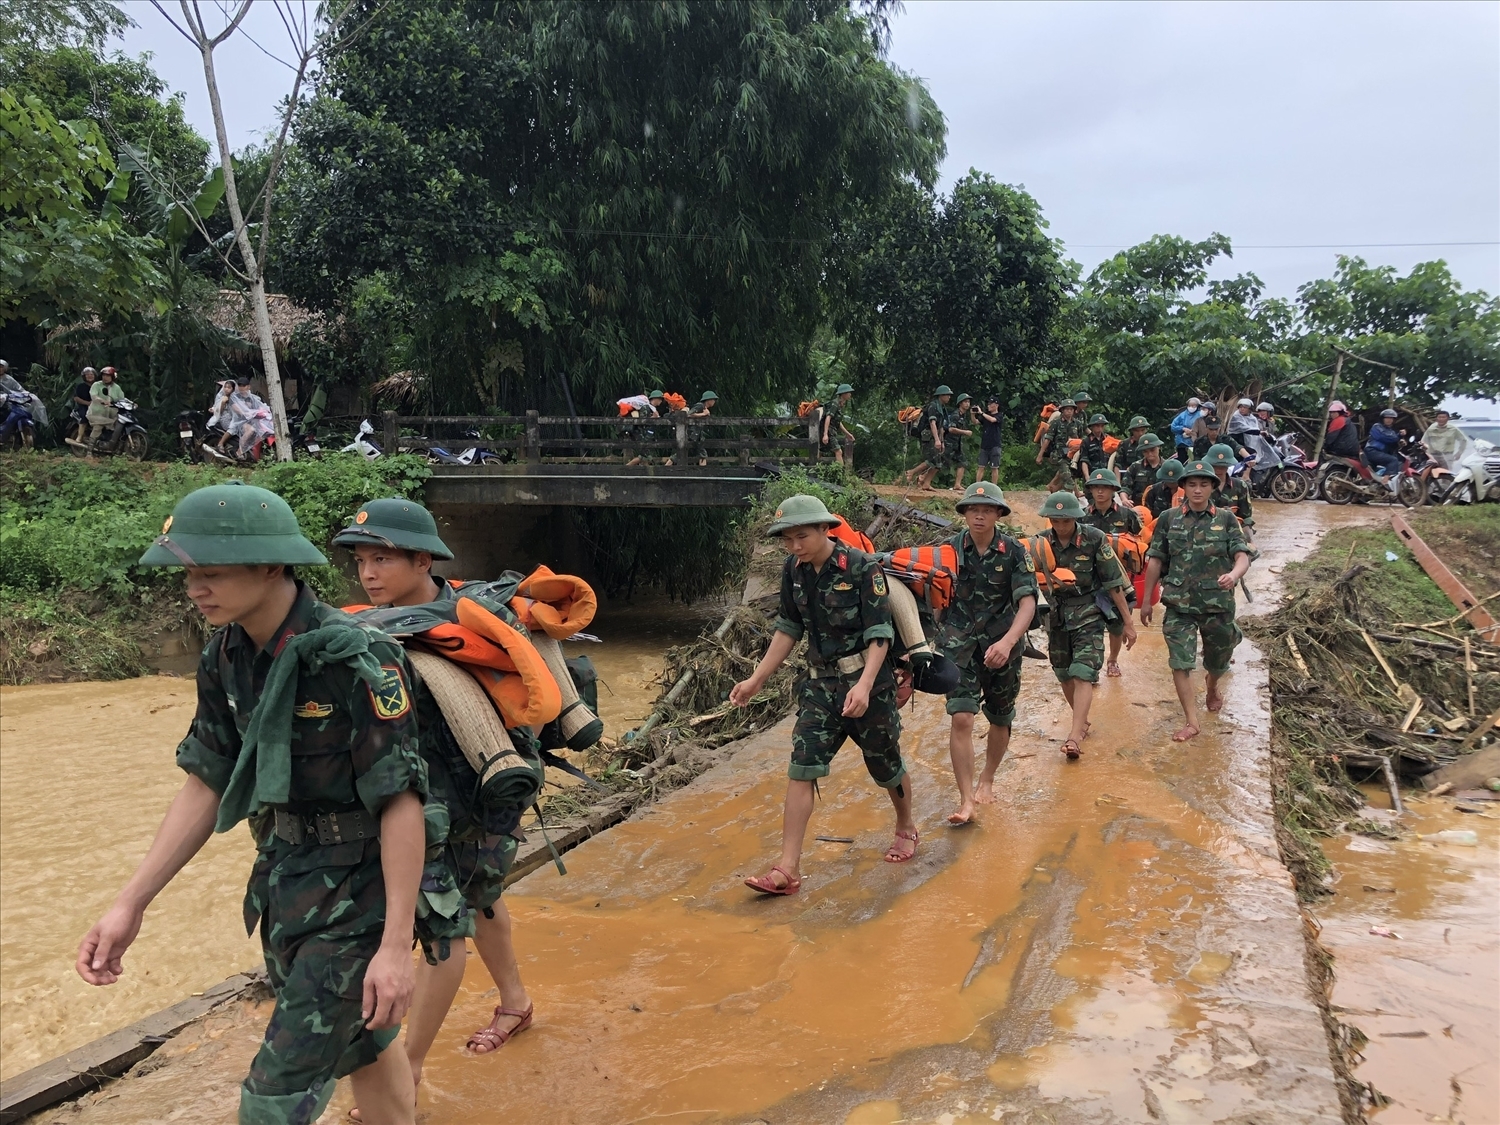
x: 993, y: 604
x: 1232, y: 493
x: 835, y: 596
x: 1142, y: 472
x: 1198, y: 553
x: 394, y: 543
x: 932, y: 440
x: 1080, y: 574
x: 1091, y: 455
x: 1112, y: 518
x: 1130, y: 449
x: 1162, y: 495
x: 836, y: 437
x: 1063, y: 428
x: 305, y: 725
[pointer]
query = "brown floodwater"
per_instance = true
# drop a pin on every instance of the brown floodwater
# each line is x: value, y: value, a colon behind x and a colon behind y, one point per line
x: 1115, y: 940
x: 86, y: 771
x: 1428, y: 999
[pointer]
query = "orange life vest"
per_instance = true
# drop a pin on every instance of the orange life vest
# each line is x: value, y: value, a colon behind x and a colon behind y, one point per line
x: 557, y: 604
x: 806, y: 408
x: 675, y: 400
x: 1130, y: 550
x: 1039, y: 547
x: 1047, y: 412
x: 850, y: 537
x: 929, y: 572
x: 1110, y: 443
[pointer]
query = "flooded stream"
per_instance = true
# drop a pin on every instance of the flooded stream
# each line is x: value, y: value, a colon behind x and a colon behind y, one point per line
x: 86, y: 771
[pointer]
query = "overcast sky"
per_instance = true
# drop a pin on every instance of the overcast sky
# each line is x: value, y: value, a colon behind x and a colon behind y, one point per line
x: 1345, y: 124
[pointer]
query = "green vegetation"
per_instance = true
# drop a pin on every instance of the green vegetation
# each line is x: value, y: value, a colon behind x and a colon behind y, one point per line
x: 73, y: 603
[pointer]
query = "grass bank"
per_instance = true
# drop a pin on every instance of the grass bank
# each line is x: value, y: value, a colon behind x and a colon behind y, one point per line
x: 73, y: 603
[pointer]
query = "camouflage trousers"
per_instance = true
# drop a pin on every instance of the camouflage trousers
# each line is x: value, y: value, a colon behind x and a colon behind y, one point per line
x: 997, y: 688
x: 1076, y: 654
x: 321, y: 912
x: 1181, y: 630
x: 482, y: 867
x: 822, y: 728
x: 1063, y: 469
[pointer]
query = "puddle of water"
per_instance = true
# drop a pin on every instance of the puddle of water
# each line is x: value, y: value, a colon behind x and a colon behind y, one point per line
x: 86, y: 771
x: 1426, y: 1000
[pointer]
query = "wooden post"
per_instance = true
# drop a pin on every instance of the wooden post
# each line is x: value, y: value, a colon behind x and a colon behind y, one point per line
x: 813, y: 438
x: 745, y: 451
x: 533, y: 437
x: 681, y: 458
x: 1333, y: 390
x: 392, y: 434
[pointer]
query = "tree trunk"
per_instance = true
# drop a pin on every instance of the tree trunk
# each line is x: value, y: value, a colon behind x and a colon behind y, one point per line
x: 252, y: 268
x: 1333, y: 390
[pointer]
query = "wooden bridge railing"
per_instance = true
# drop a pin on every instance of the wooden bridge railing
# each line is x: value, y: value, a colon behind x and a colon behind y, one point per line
x: 535, y: 437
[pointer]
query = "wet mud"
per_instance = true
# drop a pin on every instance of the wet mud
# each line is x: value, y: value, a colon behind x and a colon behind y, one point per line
x: 1115, y: 940
x: 1428, y: 998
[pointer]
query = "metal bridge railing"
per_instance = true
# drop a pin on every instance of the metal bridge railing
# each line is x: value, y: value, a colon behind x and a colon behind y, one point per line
x: 534, y: 437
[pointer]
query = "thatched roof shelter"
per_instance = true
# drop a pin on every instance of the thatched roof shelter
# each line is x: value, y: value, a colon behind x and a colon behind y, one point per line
x: 231, y: 312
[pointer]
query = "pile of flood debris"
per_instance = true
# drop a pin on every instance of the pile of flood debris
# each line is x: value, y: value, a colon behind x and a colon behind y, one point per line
x: 1359, y: 695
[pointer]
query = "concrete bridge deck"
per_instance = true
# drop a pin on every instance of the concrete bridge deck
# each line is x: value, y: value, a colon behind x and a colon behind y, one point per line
x: 548, y: 484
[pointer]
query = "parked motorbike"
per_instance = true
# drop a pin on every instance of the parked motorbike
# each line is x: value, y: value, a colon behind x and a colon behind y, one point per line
x: 127, y: 437
x: 1280, y: 470
x: 1465, y: 483
x: 474, y: 455
x: 1346, y: 480
x: 362, y: 443
x: 17, y: 420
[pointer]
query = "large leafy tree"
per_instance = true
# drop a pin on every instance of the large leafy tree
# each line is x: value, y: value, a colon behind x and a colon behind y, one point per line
x: 1442, y: 340
x: 572, y: 201
x: 964, y: 289
x: 1151, y: 329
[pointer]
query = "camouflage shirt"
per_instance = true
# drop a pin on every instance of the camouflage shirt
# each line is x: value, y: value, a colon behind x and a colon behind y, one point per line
x: 352, y: 747
x: 989, y: 587
x: 1096, y: 569
x: 1195, y: 549
x: 935, y: 412
x: 1139, y: 477
x: 1114, y: 521
x: 1234, y: 494
x: 1127, y: 455
x: 844, y: 607
x: 1159, y: 497
x: 1092, y: 453
x: 1060, y: 432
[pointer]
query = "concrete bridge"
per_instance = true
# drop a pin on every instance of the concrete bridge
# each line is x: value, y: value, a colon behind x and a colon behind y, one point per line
x: 550, y: 461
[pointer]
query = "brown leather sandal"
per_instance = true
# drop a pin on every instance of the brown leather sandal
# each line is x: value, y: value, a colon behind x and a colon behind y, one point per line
x: 491, y: 1038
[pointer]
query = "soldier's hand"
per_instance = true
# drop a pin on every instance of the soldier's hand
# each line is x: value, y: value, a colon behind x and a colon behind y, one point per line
x: 389, y: 981
x: 103, y: 946
x: 1146, y: 610
x: 1038, y: 458
x: 1130, y: 634
x: 742, y: 692
x: 998, y: 654
x: 857, y: 702
x: 1227, y: 581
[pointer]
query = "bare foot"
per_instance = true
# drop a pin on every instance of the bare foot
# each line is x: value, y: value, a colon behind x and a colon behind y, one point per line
x: 1113, y: 668
x: 1185, y: 733
x: 964, y: 815
x: 1214, y: 701
x: 984, y: 792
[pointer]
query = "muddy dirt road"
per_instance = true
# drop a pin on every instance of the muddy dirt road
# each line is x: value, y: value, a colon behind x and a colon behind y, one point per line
x: 1115, y: 941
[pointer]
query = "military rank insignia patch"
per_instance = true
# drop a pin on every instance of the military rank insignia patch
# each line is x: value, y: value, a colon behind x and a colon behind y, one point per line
x: 390, y: 698
x: 877, y: 583
x: 312, y: 709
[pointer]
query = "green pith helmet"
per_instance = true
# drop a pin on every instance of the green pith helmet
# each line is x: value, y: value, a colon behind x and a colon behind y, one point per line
x: 1104, y: 476
x: 801, y: 511
x: 982, y: 493
x: 1098, y: 420
x: 960, y: 400
x: 1150, y: 441
x: 1212, y: 422
x: 1081, y: 397
x: 403, y: 524
x: 844, y: 389
x: 1198, y: 469
x: 1170, y: 469
x: 708, y: 396
x: 1062, y: 506
x: 1138, y: 423
x: 943, y: 389
x: 233, y: 524
x: 1220, y: 454
x: 656, y: 394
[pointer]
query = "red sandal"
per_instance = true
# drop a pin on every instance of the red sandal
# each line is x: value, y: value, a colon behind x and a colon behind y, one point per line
x: 1072, y: 750
x: 768, y: 886
x: 894, y: 855
x: 490, y: 1039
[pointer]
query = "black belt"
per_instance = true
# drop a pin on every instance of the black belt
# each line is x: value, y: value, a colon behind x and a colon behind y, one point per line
x: 327, y: 828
